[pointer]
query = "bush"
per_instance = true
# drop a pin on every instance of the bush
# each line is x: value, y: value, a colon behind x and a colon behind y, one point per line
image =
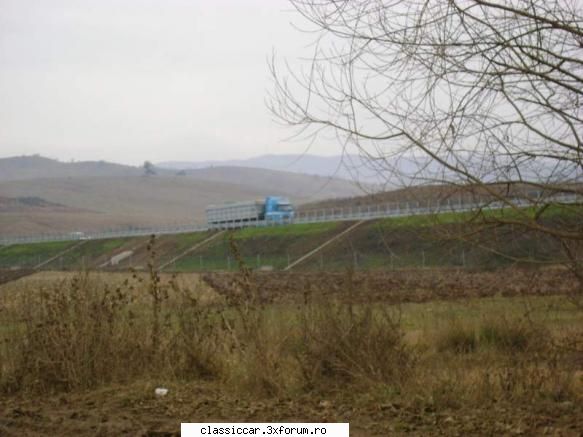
x: 511, y: 336
x: 77, y: 335
x: 457, y: 337
x: 84, y: 333
x: 340, y: 343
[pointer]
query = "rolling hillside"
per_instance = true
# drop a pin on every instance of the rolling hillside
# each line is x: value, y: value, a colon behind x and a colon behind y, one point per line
x: 37, y: 167
x: 302, y: 187
x: 96, y: 196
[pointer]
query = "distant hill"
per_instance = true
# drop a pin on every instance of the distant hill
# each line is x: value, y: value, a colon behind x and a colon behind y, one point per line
x: 349, y: 167
x: 382, y: 175
x: 302, y: 186
x: 408, y: 194
x: 295, y: 185
x: 98, y: 195
x: 37, y: 167
x: 443, y: 193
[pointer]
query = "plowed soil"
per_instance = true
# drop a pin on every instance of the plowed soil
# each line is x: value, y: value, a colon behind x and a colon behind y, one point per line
x: 400, y: 286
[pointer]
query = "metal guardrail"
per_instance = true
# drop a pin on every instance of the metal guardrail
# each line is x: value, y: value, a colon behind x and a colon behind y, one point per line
x: 370, y: 212
x: 101, y: 235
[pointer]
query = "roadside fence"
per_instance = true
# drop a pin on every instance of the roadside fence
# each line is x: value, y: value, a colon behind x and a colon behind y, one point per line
x: 365, y: 212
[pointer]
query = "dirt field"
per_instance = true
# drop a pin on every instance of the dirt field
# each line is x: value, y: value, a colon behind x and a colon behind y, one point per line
x: 135, y: 411
x: 401, y: 286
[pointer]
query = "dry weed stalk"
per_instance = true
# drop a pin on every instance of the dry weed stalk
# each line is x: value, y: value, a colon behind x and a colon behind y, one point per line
x: 158, y: 293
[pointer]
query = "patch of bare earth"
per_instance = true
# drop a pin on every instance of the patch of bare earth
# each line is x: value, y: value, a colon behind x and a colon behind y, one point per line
x: 414, y: 285
x: 13, y: 275
x: 134, y: 410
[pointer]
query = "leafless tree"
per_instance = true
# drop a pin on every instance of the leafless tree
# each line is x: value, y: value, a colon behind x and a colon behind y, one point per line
x: 480, y: 94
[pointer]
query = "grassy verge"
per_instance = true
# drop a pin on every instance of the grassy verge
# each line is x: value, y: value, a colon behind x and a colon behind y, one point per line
x: 185, y: 241
x: 32, y: 254
x: 571, y: 211
x: 303, y: 229
x: 202, y: 263
x: 273, y: 246
x: 85, y: 254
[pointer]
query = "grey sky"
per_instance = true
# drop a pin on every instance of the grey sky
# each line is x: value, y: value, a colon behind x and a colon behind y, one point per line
x: 130, y: 80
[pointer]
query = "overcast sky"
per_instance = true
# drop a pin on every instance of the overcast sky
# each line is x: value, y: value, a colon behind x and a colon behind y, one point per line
x: 135, y: 80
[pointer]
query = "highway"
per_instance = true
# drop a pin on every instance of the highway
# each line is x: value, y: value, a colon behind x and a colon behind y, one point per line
x: 357, y: 213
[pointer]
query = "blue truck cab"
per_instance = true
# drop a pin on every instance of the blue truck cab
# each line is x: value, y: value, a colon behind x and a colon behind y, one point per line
x: 278, y: 210
x: 273, y: 210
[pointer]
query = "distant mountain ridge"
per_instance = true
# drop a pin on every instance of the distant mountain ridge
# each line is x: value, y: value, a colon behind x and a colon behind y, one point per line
x: 386, y: 174
x: 349, y: 167
x: 292, y: 183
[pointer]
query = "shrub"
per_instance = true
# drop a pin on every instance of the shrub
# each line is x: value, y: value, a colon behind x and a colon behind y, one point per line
x: 511, y: 336
x: 76, y: 335
x: 346, y: 344
x: 456, y: 337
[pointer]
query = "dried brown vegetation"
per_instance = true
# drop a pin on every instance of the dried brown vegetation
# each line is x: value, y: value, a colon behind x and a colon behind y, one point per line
x: 85, y: 333
x: 410, y: 285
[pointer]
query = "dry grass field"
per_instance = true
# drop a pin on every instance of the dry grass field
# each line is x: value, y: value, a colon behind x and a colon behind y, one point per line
x: 81, y: 354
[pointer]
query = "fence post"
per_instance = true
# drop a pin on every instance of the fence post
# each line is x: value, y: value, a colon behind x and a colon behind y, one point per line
x: 463, y: 257
x: 423, y: 259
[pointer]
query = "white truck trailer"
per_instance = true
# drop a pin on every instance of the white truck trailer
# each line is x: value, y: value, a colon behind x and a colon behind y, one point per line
x: 275, y: 210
